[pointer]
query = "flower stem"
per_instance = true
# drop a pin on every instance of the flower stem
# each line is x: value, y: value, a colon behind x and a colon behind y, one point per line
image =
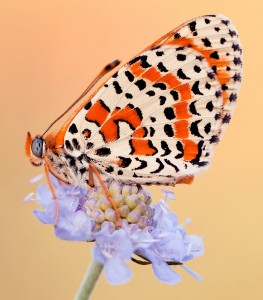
x: 89, y: 281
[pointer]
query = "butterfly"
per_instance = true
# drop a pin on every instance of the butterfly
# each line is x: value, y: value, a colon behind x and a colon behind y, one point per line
x: 158, y: 119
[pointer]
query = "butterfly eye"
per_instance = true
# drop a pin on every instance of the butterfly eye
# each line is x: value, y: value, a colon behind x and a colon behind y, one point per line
x: 37, y: 147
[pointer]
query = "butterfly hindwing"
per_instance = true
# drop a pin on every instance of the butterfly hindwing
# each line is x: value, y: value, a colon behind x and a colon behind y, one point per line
x: 160, y: 116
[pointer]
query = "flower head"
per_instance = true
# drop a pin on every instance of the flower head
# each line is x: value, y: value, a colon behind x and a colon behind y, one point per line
x: 150, y: 232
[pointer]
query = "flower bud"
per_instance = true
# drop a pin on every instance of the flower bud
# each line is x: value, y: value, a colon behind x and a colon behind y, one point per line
x: 119, y: 200
x: 124, y: 211
x: 98, y: 216
x: 132, y: 201
x: 104, y: 203
x: 110, y: 215
x: 133, y: 217
x: 126, y: 190
x: 141, y: 208
x: 115, y: 189
x: 91, y: 204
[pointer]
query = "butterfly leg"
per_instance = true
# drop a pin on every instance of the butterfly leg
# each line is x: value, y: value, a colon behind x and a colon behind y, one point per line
x: 91, y: 178
x: 106, y: 191
x: 52, y: 189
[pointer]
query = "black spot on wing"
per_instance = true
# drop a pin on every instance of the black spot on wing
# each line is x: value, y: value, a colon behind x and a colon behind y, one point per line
x: 182, y: 75
x: 152, y: 131
x: 177, y: 35
x: 207, y: 128
x: 195, y: 88
x: 150, y: 93
x: 175, y: 95
x: 73, y: 128
x: 222, y: 41
x: 124, y: 161
x: 109, y: 169
x: 161, y: 67
x: 162, y: 100
x: 129, y: 75
x: 214, y: 139
x: 194, y: 129
x: 76, y: 144
x: 169, y: 113
x: 171, y: 164
x: 143, y: 59
x: 237, y: 61
x: 214, y: 55
x: 168, y: 130
x: 181, y: 57
x: 82, y: 170
x: 128, y: 96
x: 226, y: 118
x: 197, y: 69
x: 206, y: 42
x: 68, y: 145
x: 160, y: 168
x: 141, y: 84
x: 192, y: 109
x: 142, y: 165
x: 210, y: 106
x: 103, y: 151
x: 89, y: 145
x: 160, y: 85
x: 117, y: 87
x: 166, y: 148
x: 232, y: 97
x: 159, y: 53
x: 192, y: 26
x: 88, y: 105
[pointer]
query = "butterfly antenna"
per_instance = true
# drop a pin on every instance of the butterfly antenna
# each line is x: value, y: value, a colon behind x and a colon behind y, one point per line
x: 103, y: 72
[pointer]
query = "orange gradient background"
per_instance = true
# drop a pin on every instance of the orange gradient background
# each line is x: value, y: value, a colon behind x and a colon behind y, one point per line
x: 49, y: 51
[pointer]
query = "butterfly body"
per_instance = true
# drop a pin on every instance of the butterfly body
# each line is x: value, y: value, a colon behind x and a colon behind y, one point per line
x: 159, y: 117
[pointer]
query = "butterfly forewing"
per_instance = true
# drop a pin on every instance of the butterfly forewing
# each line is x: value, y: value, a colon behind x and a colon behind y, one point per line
x: 160, y: 116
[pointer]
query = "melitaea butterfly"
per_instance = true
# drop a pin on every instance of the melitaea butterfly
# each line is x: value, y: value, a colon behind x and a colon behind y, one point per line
x: 158, y: 118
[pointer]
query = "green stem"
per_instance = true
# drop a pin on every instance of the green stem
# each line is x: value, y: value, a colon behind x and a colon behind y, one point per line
x: 89, y: 281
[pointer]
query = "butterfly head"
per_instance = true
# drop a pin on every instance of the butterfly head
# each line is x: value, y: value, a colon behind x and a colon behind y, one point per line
x: 35, y: 149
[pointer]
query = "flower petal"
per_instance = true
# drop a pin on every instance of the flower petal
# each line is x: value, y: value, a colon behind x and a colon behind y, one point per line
x: 161, y: 270
x: 29, y: 197
x: 36, y: 178
x: 116, y: 271
x: 191, y: 272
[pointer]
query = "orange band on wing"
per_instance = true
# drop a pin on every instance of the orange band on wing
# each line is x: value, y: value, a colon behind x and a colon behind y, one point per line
x: 170, y: 80
x: 97, y: 113
x: 127, y: 114
x: 152, y: 74
x: 136, y: 69
x: 181, y: 110
x: 139, y: 133
x: 181, y: 129
x: 142, y: 147
x: 222, y: 76
x: 190, y: 150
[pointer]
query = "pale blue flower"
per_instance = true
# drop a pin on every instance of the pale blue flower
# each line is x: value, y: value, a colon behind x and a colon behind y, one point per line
x: 156, y: 236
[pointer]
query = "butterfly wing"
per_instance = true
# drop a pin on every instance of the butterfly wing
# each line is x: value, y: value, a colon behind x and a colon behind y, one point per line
x: 160, y: 116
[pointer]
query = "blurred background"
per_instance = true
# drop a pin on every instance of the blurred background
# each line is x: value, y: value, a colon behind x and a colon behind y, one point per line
x: 49, y: 51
